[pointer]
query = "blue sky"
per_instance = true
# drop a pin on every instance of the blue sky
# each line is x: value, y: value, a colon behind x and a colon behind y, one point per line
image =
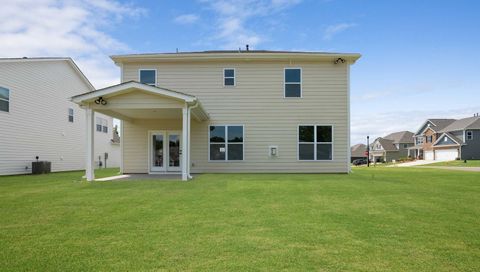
x: 419, y: 61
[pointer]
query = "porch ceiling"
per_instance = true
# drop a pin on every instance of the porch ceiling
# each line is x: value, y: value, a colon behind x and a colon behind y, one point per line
x: 144, y: 113
x: 134, y: 100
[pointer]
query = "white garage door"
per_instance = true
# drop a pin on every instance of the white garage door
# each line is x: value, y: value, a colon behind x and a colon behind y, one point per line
x: 446, y: 154
x: 428, y: 155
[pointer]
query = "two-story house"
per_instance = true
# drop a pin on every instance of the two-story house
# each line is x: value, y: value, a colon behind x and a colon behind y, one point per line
x: 449, y: 139
x: 425, y: 136
x: 228, y: 111
x: 391, y: 147
x: 38, y: 119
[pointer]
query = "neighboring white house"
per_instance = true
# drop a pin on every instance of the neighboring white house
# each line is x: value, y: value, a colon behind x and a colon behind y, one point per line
x: 228, y: 111
x: 38, y: 119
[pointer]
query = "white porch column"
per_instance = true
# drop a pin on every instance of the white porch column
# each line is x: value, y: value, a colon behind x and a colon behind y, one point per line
x: 89, y: 163
x: 189, y: 162
x: 185, y: 143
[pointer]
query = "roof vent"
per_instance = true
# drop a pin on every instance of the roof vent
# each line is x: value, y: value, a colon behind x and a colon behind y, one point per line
x: 24, y: 58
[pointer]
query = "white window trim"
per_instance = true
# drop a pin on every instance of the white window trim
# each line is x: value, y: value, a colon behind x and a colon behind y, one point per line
x: 98, y: 121
x: 7, y: 100
x: 226, y: 142
x: 469, y: 137
x: 234, y: 78
x: 147, y: 69
x: 315, y: 142
x: 103, y: 123
x: 285, y: 83
x: 73, y: 115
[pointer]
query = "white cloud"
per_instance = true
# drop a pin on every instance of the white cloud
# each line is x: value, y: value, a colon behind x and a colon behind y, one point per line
x: 233, y: 24
x: 332, y: 30
x: 66, y: 28
x: 186, y: 19
x: 383, y: 123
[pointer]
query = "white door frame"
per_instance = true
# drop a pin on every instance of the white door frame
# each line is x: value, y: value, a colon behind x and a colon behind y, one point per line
x: 166, y: 152
x: 151, y: 169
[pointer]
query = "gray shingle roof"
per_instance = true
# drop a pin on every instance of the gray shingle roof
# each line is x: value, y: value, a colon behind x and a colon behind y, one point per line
x: 403, y: 137
x: 440, y: 124
x: 388, y: 145
x: 465, y: 123
x: 358, y: 150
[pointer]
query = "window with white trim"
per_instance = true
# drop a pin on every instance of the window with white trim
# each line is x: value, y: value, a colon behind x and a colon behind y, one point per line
x: 469, y: 135
x: 101, y: 125
x: 228, y: 77
x: 315, y: 143
x: 98, y: 124
x: 70, y: 115
x: 226, y: 143
x: 293, y: 82
x: 4, y: 99
x: 148, y: 76
x: 105, y: 126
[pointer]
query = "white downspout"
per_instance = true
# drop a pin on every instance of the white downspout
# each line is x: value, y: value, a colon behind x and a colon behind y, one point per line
x: 189, y: 138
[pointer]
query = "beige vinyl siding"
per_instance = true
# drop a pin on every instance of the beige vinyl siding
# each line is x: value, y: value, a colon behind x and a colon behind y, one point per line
x: 135, y: 145
x: 37, y: 124
x: 257, y: 102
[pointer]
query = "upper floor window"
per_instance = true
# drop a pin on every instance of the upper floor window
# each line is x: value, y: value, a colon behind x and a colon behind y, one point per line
x: 4, y: 99
x: 101, y: 125
x: 148, y: 76
x: 429, y: 139
x: 419, y: 140
x: 469, y: 135
x: 293, y: 82
x: 226, y: 143
x: 315, y: 142
x: 228, y: 77
x: 405, y: 145
x: 70, y: 115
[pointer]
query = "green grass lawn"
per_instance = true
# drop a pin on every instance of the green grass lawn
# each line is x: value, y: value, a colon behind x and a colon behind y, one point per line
x: 470, y: 163
x: 377, y: 219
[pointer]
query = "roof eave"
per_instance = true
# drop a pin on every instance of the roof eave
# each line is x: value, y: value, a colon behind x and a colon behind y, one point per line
x: 88, y: 97
x: 350, y: 57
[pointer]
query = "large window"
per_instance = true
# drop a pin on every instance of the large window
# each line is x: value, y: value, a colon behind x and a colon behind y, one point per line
x: 101, y: 125
x: 4, y: 99
x: 226, y: 143
x: 293, y: 82
x: 315, y: 143
x: 228, y: 77
x: 70, y: 115
x: 148, y: 76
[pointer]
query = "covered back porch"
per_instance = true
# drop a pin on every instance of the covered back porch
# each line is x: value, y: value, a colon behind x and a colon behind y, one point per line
x: 158, y: 122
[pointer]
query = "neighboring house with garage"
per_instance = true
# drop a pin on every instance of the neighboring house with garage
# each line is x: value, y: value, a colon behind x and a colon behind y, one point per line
x: 37, y: 118
x: 228, y: 111
x: 425, y: 136
x: 391, y: 147
x: 449, y: 139
x: 358, y: 151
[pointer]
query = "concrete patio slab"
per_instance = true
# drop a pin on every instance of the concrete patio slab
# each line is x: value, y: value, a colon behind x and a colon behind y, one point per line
x: 128, y: 177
